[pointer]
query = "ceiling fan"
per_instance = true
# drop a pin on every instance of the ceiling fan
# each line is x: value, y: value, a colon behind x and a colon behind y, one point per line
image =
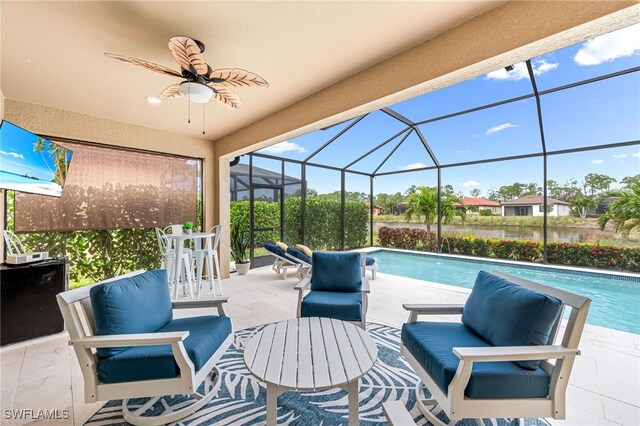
x: 200, y: 82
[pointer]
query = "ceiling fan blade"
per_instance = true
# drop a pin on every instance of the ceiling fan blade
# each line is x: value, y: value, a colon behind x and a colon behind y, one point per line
x: 188, y: 54
x: 226, y: 97
x: 172, y: 92
x: 236, y: 77
x: 144, y: 64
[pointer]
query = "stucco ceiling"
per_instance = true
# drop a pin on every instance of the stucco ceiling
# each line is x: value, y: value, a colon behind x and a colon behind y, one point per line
x: 52, y: 52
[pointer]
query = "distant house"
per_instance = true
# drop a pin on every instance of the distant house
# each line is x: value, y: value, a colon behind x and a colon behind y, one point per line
x: 533, y: 205
x: 377, y: 210
x: 474, y: 205
x: 602, y: 206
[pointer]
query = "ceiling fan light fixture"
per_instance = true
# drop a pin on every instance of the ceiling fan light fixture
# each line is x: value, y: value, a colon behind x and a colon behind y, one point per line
x: 152, y: 99
x: 196, y: 92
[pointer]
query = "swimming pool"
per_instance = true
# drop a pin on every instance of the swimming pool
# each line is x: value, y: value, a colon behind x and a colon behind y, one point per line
x: 615, y: 300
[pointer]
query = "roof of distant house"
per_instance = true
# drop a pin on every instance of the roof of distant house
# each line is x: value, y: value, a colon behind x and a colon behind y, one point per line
x: 480, y: 202
x: 532, y: 199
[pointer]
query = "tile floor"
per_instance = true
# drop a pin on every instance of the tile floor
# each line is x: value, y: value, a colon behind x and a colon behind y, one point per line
x: 604, y: 387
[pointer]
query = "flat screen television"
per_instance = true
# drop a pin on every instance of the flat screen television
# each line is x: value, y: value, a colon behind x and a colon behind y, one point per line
x: 30, y: 163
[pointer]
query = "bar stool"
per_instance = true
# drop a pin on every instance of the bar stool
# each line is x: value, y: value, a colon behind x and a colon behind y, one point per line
x: 200, y: 254
x: 169, y: 263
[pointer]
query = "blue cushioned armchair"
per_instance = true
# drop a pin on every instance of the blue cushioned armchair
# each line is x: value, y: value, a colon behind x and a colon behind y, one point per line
x: 129, y: 345
x: 494, y: 363
x: 337, y: 289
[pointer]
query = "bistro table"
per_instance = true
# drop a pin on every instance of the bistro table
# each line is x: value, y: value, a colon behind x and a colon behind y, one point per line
x: 310, y: 354
x: 179, y: 240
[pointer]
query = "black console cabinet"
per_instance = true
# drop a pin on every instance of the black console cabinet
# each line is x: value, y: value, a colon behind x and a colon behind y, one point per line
x: 28, y: 306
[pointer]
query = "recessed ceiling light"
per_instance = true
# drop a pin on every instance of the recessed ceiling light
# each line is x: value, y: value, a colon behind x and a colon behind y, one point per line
x: 153, y: 99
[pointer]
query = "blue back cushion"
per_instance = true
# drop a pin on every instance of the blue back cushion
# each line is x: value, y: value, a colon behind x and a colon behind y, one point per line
x: 507, y: 314
x: 298, y: 254
x: 137, y: 304
x: 274, y: 249
x: 336, y: 271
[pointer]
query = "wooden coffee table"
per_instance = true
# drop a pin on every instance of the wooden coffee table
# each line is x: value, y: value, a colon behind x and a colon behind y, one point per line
x: 310, y: 354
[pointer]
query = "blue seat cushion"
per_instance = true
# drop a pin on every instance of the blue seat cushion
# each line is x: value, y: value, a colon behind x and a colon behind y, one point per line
x: 277, y: 250
x: 206, y: 334
x: 431, y: 345
x: 338, y: 305
x: 336, y: 271
x: 136, y: 304
x: 507, y: 314
x: 369, y: 261
x: 298, y: 254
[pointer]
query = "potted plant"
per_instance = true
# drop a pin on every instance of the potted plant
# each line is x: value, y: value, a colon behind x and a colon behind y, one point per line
x: 240, y: 248
x: 187, y: 227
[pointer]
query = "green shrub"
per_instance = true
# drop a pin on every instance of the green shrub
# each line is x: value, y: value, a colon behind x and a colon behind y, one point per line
x: 485, y: 212
x: 322, y: 219
x: 573, y: 254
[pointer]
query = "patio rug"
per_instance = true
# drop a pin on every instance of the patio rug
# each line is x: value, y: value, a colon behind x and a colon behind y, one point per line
x: 241, y: 398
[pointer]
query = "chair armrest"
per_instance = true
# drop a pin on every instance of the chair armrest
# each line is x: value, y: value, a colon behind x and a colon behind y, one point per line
x: 215, y: 302
x: 204, y: 303
x: 514, y: 353
x: 303, y: 284
x: 440, y: 309
x: 125, y: 340
x: 366, y: 288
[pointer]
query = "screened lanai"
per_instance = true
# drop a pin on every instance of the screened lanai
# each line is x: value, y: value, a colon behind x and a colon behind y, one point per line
x: 557, y: 128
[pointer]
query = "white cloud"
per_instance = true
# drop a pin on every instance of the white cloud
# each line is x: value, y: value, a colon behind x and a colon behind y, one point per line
x: 608, y: 47
x: 597, y: 161
x: 500, y: 127
x: 470, y: 183
x: 462, y: 151
x: 520, y: 72
x: 12, y: 154
x: 412, y: 166
x: 282, y: 147
x: 636, y: 154
x: 620, y: 156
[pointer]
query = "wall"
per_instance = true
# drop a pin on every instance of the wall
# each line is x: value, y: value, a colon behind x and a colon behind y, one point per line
x: 511, y: 33
x: 50, y: 121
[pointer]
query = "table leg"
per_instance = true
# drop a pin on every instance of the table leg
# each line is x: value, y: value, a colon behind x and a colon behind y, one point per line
x: 354, y: 409
x: 272, y: 404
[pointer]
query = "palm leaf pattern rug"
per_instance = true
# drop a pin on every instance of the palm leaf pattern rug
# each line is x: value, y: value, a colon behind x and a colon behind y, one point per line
x: 241, y: 399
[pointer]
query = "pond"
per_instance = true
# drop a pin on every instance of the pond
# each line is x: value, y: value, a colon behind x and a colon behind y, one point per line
x: 567, y: 235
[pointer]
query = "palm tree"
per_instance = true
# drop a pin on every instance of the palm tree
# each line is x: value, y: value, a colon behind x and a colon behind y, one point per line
x: 624, y: 212
x: 423, y: 203
x: 59, y: 155
x: 582, y: 204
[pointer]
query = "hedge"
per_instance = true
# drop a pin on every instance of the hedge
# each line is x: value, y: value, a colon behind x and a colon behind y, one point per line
x: 573, y: 254
x: 322, y: 219
x: 98, y: 255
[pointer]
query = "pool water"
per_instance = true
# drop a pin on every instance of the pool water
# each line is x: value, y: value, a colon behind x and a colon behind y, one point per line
x: 615, y: 301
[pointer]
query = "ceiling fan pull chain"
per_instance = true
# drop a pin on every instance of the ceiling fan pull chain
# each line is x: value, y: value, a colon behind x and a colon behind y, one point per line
x: 203, y: 105
x: 189, y: 102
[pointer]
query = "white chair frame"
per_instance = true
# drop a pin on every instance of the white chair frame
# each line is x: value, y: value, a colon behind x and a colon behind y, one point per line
x: 77, y: 312
x: 13, y: 243
x: 305, y: 285
x: 457, y: 406
x: 373, y: 268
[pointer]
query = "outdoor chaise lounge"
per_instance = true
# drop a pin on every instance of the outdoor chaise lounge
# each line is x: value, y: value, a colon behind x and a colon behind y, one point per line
x: 296, y: 258
x: 285, y: 261
x: 495, y: 362
x: 129, y: 346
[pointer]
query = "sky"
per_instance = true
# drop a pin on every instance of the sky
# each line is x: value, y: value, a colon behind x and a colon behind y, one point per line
x: 17, y: 156
x: 599, y: 113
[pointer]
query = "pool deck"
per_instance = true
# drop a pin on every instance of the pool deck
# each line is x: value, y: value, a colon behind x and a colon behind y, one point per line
x: 604, y: 387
